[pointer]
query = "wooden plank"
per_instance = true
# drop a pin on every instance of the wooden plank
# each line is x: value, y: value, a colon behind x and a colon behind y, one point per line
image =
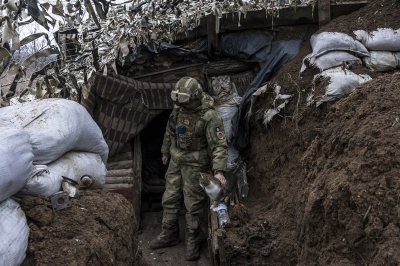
x: 167, y: 70
x: 221, y: 249
x: 258, y: 19
x: 212, y: 35
x: 120, y: 157
x: 117, y: 186
x: 324, y: 12
x: 209, y: 240
x: 120, y: 172
x: 214, y: 228
x: 119, y: 180
x: 137, y: 178
x: 119, y: 165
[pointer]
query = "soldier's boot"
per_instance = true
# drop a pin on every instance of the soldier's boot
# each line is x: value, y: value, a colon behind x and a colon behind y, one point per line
x: 192, y: 237
x: 169, y: 235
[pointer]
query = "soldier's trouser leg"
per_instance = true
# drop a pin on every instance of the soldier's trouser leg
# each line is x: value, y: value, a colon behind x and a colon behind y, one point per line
x: 194, y: 198
x: 171, y: 203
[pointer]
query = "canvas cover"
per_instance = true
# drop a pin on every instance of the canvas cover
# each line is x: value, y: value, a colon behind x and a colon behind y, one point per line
x: 123, y: 106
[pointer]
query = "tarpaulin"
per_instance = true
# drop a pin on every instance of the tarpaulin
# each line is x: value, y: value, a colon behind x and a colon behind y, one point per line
x: 281, y: 53
x: 250, y: 46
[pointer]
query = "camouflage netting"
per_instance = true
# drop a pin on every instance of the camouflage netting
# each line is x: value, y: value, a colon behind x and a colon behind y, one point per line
x: 83, y: 37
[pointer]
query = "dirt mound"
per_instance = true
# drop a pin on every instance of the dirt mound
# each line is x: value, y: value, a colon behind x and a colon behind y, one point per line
x: 87, y: 233
x: 353, y: 173
x: 324, y: 180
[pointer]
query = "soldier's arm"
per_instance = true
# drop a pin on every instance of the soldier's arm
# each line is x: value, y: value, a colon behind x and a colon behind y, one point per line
x: 216, y: 140
x: 165, y: 148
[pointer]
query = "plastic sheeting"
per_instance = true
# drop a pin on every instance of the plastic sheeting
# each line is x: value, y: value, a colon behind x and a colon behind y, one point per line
x: 251, y: 46
x: 281, y: 53
x: 155, y: 48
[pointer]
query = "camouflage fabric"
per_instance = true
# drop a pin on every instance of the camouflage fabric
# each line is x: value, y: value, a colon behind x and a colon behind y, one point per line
x: 183, y: 180
x: 190, y: 86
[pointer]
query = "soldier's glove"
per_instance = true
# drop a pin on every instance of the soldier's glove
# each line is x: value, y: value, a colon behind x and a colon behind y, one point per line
x: 221, y: 178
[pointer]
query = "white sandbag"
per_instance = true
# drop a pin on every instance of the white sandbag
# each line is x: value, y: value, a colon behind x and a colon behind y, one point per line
x: 382, y: 39
x: 382, y: 61
x: 233, y: 156
x: 227, y: 111
x: 329, y: 60
x: 57, y: 126
x: 16, y: 160
x: 72, y: 165
x: 341, y: 83
x: 325, y: 42
x: 14, y: 232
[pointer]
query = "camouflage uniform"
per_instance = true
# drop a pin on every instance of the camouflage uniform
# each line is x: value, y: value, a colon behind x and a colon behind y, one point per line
x: 190, y: 153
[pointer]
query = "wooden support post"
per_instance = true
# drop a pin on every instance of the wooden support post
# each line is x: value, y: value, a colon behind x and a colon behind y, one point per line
x: 221, y: 248
x: 324, y: 12
x: 137, y: 178
x: 212, y: 35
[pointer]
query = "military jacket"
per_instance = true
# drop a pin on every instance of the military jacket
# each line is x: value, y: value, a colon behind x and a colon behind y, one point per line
x: 192, y: 136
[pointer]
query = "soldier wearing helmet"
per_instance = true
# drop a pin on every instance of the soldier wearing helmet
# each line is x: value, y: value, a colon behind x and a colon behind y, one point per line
x: 194, y: 143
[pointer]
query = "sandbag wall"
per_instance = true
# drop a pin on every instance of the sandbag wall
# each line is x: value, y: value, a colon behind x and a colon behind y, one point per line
x: 120, y: 173
x: 42, y: 141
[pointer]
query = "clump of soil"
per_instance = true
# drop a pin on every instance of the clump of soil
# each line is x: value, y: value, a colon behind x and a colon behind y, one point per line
x: 97, y: 229
x: 324, y: 181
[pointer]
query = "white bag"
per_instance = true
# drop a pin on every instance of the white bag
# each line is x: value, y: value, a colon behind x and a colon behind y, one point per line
x: 336, y: 41
x: 227, y: 111
x: 382, y: 61
x: 16, y: 160
x: 383, y: 39
x: 233, y: 155
x: 341, y: 83
x: 57, y: 126
x: 14, y: 232
x: 329, y: 60
x: 72, y: 165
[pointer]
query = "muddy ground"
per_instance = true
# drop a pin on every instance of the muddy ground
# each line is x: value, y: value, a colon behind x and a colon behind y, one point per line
x: 86, y: 233
x: 324, y: 182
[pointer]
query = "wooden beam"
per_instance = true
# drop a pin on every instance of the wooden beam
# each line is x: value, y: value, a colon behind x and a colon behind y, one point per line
x: 212, y: 35
x: 324, y: 12
x: 258, y: 19
x: 221, y: 248
x: 137, y: 178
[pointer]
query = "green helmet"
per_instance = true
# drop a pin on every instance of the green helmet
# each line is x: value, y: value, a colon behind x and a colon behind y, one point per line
x: 186, y: 90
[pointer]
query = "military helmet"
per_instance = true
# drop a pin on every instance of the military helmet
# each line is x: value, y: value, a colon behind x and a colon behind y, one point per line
x: 186, y: 90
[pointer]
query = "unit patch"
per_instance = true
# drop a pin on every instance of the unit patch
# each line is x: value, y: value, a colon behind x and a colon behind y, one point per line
x: 220, y: 134
x: 186, y: 121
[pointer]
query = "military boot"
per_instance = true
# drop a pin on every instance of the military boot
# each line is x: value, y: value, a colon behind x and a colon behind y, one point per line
x: 192, y: 237
x: 169, y: 235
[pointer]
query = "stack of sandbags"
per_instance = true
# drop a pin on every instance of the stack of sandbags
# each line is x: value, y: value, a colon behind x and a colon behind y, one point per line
x: 334, y: 54
x: 384, y: 46
x: 331, y: 49
x: 65, y: 141
x: 42, y: 141
x: 226, y: 102
x: 16, y: 168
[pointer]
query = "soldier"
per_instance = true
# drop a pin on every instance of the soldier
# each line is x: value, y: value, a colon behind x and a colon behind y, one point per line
x: 194, y: 131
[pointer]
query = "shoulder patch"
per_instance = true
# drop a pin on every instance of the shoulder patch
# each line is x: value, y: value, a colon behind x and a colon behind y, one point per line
x: 220, y: 133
